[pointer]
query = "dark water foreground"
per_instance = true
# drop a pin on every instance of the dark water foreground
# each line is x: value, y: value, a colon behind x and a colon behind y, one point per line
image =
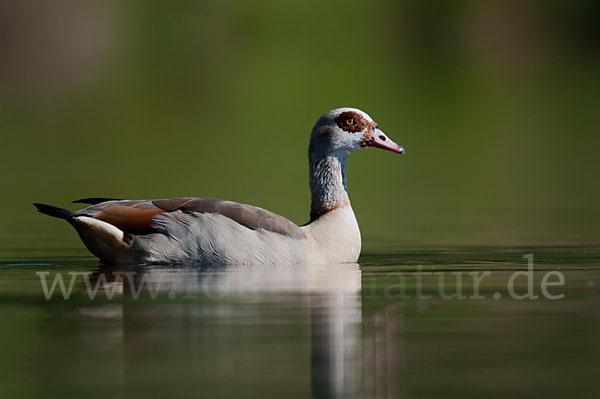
x: 445, y: 322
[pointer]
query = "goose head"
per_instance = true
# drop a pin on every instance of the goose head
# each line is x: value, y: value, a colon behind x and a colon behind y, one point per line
x: 336, y: 135
x: 345, y: 130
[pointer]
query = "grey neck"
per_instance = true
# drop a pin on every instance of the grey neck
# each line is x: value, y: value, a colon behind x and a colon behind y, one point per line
x: 327, y: 182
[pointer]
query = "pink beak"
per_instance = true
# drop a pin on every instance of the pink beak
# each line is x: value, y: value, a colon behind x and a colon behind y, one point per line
x: 378, y: 139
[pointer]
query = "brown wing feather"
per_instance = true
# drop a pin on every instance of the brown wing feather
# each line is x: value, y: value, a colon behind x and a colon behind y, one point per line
x: 136, y: 216
x: 130, y: 216
x: 250, y: 216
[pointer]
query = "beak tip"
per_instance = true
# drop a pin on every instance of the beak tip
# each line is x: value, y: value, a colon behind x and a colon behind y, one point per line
x: 401, y: 150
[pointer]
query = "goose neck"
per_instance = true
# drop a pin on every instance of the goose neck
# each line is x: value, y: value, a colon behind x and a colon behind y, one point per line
x: 327, y: 183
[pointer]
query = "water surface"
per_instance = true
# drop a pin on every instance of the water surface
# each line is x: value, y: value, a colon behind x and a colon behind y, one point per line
x: 393, y: 325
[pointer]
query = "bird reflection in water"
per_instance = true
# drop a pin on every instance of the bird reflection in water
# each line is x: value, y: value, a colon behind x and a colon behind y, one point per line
x: 310, y: 312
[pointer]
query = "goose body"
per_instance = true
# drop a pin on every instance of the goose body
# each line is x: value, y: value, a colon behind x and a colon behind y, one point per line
x: 213, y: 231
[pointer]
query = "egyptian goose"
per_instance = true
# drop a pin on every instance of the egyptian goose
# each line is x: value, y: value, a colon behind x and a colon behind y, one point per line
x: 214, y: 231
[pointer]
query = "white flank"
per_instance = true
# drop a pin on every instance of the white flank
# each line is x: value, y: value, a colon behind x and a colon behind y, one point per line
x: 100, y: 225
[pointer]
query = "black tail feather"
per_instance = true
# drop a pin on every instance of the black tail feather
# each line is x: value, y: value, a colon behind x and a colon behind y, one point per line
x: 94, y: 200
x: 54, y: 211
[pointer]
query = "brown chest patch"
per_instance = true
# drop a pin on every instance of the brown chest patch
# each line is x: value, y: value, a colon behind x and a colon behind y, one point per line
x: 318, y: 211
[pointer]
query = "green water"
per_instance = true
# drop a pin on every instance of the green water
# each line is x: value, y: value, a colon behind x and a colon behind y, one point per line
x: 383, y: 329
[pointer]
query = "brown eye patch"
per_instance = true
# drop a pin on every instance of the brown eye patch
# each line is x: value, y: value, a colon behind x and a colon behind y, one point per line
x: 351, y: 122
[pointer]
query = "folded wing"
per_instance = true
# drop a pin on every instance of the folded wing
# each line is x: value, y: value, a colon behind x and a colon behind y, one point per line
x: 136, y: 216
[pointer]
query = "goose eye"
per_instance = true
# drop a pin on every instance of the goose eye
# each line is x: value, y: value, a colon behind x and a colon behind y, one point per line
x: 350, y: 122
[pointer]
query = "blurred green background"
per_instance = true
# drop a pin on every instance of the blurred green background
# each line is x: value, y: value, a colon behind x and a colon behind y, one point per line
x: 496, y: 102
